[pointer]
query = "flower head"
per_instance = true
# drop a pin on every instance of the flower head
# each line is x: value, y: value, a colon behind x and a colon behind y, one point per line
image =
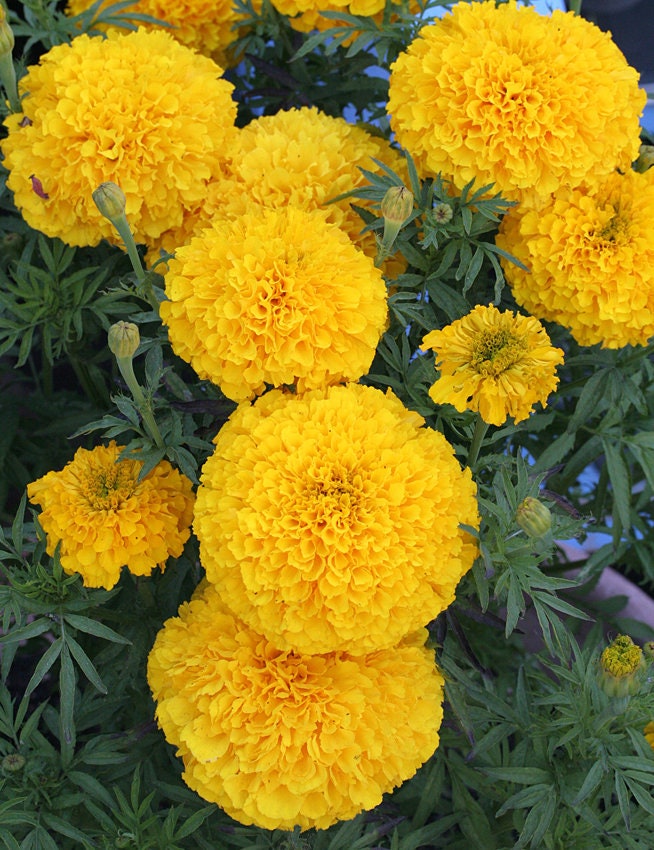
x: 590, y: 256
x: 282, y: 739
x: 622, y: 667
x: 493, y: 362
x: 105, y: 518
x: 139, y: 110
x: 649, y: 733
x: 501, y: 94
x: 274, y: 297
x: 306, y: 15
x: 204, y: 25
x: 331, y: 520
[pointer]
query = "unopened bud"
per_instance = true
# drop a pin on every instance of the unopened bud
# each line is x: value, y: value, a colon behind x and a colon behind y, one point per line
x: 6, y: 34
x: 533, y: 517
x: 123, y: 339
x: 622, y: 667
x: 442, y: 213
x: 396, y: 208
x: 12, y: 763
x: 645, y: 158
x: 110, y: 200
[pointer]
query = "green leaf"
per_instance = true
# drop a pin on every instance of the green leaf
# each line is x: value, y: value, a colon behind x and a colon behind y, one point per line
x: 93, y: 627
x: 33, y: 629
x: 85, y: 664
x: 619, y: 477
x: 45, y: 663
x: 67, y: 704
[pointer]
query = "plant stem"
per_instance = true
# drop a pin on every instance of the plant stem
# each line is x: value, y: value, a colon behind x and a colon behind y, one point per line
x: 127, y: 371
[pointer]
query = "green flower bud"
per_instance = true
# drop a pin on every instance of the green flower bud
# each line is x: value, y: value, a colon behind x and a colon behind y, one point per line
x: 442, y: 213
x: 645, y: 158
x: 622, y: 668
x: 109, y: 198
x: 13, y: 763
x: 397, y: 204
x: 123, y: 339
x: 6, y: 34
x: 533, y: 517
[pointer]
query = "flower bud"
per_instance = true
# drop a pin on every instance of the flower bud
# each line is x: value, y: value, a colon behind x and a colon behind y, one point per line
x: 396, y: 207
x: 645, y: 158
x: 12, y: 763
x: 442, y: 213
x: 110, y: 200
x: 6, y: 34
x: 123, y: 339
x: 533, y: 517
x: 622, y: 668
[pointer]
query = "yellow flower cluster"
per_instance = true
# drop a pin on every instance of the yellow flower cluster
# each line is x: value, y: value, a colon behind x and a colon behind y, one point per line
x: 274, y: 297
x: 330, y: 521
x: 136, y: 109
x: 306, y: 15
x: 501, y: 94
x: 204, y: 25
x: 590, y: 256
x: 279, y: 738
x: 104, y: 518
x: 497, y: 363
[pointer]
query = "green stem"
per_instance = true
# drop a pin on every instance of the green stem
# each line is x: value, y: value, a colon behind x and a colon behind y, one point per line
x: 481, y: 428
x: 127, y: 371
x: 127, y: 236
x: 574, y: 6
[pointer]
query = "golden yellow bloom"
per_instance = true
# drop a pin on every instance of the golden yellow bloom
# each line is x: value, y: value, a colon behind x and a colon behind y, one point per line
x: 305, y: 15
x: 504, y: 95
x: 274, y: 297
x: 278, y: 738
x: 622, y: 667
x: 139, y: 110
x: 299, y: 157
x: 105, y: 518
x: 649, y: 734
x: 330, y: 520
x: 591, y: 260
x: 204, y: 25
x: 498, y: 364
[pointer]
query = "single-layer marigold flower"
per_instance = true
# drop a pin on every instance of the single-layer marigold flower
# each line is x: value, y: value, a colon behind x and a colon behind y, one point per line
x: 497, y: 363
x: 282, y: 739
x: 105, y: 518
x: 298, y: 157
x: 274, y: 297
x: 205, y: 25
x: 590, y: 256
x: 331, y: 520
x: 504, y: 95
x: 139, y: 110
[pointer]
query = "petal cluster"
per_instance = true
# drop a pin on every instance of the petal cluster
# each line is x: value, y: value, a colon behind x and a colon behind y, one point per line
x: 274, y: 297
x: 501, y: 94
x: 497, y: 363
x: 104, y: 518
x: 590, y: 256
x: 136, y: 109
x: 330, y: 521
x: 278, y: 738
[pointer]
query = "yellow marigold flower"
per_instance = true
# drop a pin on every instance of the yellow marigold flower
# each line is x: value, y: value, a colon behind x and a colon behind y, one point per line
x: 331, y: 520
x: 298, y: 157
x: 271, y: 298
x: 204, y: 25
x: 649, y: 734
x: 139, y: 110
x: 591, y: 260
x: 493, y: 362
x: 306, y: 15
x: 105, y: 518
x: 281, y: 739
x: 504, y: 95
x: 622, y: 667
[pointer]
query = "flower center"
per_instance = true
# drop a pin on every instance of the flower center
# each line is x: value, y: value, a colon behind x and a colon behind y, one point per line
x: 106, y: 488
x: 495, y: 351
x: 616, y: 229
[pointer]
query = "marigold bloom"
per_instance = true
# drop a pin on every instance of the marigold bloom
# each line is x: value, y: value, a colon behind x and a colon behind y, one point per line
x: 298, y: 157
x: 504, y: 95
x: 331, y: 520
x: 274, y: 297
x: 280, y: 739
x: 139, y: 110
x: 105, y: 518
x: 498, y: 364
x: 622, y: 667
x: 204, y: 25
x: 649, y: 734
x: 590, y: 256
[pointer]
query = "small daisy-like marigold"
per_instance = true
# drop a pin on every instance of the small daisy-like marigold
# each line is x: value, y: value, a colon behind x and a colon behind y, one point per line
x: 204, y: 25
x: 331, y: 520
x: 504, y: 95
x: 136, y: 109
x: 590, y: 256
x: 274, y: 297
x: 497, y: 363
x: 105, y: 518
x: 281, y: 739
x: 297, y: 157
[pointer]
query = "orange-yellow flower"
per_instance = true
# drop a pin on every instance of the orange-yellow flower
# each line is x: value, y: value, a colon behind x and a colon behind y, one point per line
x: 501, y: 94
x: 274, y: 297
x: 590, y: 256
x: 139, y: 110
x: 497, y: 363
x: 331, y: 520
x: 282, y: 739
x: 105, y: 518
